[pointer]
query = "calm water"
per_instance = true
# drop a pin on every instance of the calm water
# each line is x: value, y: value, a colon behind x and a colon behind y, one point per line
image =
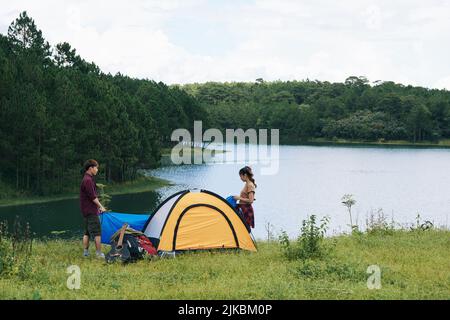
x: 311, y: 180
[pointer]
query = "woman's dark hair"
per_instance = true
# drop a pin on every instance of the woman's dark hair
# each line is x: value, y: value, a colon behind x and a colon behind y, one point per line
x: 90, y: 163
x: 248, y: 172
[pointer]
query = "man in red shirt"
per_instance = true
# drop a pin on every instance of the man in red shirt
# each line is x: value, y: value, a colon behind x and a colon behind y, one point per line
x: 90, y: 208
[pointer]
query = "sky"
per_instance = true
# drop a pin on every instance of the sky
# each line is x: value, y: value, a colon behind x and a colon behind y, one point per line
x: 187, y: 41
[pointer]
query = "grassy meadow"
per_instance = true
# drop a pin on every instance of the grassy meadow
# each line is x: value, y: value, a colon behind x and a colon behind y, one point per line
x: 413, y: 264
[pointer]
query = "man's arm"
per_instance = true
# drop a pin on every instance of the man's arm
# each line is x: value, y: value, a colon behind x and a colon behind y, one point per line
x: 99, y: 205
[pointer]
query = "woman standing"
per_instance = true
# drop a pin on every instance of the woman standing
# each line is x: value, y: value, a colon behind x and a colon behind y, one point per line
x: 247, y: 197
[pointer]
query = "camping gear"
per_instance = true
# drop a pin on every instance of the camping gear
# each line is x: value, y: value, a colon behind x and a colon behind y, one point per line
x: 187, y: 220
x: 113, y: 221
x: 137, y: 243
x: 119, y: 251
x: 147, y: 245
x: 132, y: 244
x: 128, y: 231
x: 231, y: 201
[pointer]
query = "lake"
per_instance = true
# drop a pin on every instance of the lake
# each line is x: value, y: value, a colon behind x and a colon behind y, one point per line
x: 400, y: 181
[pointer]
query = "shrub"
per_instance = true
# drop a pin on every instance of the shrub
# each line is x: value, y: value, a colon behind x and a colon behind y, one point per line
x: 15, y: 250
x: 377, y: 223
x: 6, y: 257
x: 309, y: 244
x: 103, y: 197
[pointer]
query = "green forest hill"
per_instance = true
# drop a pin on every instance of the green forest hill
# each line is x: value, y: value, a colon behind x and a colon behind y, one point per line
x: 314, y: 110
x: 57, y: 110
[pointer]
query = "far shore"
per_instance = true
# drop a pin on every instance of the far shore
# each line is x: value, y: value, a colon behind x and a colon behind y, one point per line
x: 143, y: 184
x: 380, y: 143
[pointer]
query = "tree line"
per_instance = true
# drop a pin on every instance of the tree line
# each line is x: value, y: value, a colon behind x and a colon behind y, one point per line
x: 57, y: 110
x: 354, y: 110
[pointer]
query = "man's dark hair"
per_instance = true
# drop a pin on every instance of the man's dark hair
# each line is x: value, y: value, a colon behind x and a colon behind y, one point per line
x: 90, y: 163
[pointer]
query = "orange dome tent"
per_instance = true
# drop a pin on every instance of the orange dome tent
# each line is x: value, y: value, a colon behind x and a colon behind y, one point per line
x: 193, y: 220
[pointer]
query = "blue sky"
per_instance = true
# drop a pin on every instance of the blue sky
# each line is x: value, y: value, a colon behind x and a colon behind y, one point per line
x: 198, y: 40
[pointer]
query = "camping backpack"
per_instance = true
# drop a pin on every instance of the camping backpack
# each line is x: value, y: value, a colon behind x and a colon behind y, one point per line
x: 138, y: 246
x: 134, y: 248
x: 147, y: 245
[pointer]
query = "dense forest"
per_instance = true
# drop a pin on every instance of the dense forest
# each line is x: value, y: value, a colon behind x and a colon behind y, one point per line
x: 354, y: 110
x: 57, y: 110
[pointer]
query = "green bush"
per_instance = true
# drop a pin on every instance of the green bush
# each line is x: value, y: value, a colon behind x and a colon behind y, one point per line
x: 6, y: 257
x: 15, y: 250
x: 103, y: 197
x: 309, y: 244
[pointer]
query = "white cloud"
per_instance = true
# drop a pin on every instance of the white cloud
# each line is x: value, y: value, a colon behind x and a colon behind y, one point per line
x: 443, y: 83
x: 173, y: 41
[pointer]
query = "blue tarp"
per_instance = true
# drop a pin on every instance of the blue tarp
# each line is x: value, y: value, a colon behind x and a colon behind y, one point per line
x: 113, y: 221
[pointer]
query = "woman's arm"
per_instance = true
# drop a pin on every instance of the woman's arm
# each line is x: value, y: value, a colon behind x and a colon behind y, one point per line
x: 250, y: 199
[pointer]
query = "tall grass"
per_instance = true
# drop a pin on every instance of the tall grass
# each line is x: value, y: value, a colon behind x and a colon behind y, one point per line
x: 310, y: 243
x: 414, y: 264
x: 15, y: 250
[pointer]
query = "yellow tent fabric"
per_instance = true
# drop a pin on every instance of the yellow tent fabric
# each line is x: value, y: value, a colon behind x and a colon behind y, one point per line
x: 203, y: 220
